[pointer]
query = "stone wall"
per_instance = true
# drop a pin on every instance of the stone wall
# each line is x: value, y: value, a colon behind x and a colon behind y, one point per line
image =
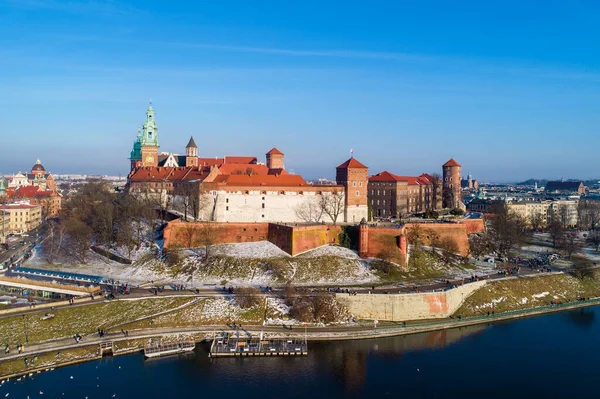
x: 473, y: 226
x: 404, y: 307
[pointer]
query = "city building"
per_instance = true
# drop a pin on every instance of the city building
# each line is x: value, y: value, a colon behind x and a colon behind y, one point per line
x: 532, y: 212
x: 564, y: 212
x: 38, y: 186
x: 23, y: 216
x: 469, y: 183
x: 4, y: 225
x: 239, y: 188
x: 393, y: 196
x: 565, y: 187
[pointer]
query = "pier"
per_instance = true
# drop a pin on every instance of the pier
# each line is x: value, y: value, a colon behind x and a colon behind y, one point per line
x: 226, y: 345
x: 159, y: 349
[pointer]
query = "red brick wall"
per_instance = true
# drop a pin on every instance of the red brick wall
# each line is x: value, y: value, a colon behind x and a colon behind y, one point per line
x: 281, y: 236
x: 458, y: 232
x: 473, y: 225
x: 176, y: 234
x: 305, y: 238
x: 385, y: 243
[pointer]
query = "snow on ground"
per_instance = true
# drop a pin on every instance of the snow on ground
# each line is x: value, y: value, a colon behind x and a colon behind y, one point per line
x: 280, y: 312
x: 524, y: 300
x: 260, y: 249
x: 330, y: 250
x: 541, y: 295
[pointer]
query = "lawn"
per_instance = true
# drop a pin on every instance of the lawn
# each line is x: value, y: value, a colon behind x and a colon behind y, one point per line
x: 48, y: 360
x: 80, y: 319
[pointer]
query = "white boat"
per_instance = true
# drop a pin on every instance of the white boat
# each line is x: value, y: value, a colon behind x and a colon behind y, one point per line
x: 158, y: 350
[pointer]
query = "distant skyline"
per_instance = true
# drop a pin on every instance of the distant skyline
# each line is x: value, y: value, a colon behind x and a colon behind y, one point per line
x: 509, y: 89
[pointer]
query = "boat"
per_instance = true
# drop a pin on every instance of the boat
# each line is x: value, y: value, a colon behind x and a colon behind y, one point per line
x: 162, y: 349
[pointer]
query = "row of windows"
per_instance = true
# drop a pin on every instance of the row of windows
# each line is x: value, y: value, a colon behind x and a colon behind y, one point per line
x: 359, y: 184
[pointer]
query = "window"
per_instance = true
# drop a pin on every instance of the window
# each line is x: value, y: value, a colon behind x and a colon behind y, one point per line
x: 263, y: 215
x: 359, y: 184
x: 383, y: 202
x: 354, y: 184
x: 377, y: 192
x: 383, y: 192
x: 377, y: 202
x: 263, y: 198
x: 226, y: 208
x: 357, y: 193
x: 227, y: 200
x: 263, y: 205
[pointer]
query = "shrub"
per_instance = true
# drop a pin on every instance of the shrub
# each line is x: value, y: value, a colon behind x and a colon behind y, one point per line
x: 248, y: 297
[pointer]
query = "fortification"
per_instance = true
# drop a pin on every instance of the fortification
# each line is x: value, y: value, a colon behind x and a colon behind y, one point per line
x: 451, y: 185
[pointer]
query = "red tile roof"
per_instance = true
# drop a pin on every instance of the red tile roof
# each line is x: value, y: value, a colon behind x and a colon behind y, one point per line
x: 261, y: 180
x: 352, y: 163
x: 451, y: 162
x: 210, y: 161
x: 411, y: 180
x: 240, y: 160
x: 274, y: 151
x: 26, y: 191
x: 237, y: 169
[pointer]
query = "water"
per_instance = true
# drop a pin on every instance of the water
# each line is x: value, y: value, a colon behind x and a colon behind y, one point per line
x: 551, y: 356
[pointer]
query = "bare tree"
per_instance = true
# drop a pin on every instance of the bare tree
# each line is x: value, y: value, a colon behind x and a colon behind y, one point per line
x: 248, y: 297
x: 310, y: 210
x: 479, y: 245
x: 563, y: 216
x: 572, y: 242
x: 593, y: 238
x: 53, y: 239
x: 332, y: 204
x: 190, y: 231
x: 556, y: 231
x: 506, y: 232
x: 449, y: 249
x: 537, y: 221
x: 208, y: 236
x: 79, y: 237
x: 436, y: 186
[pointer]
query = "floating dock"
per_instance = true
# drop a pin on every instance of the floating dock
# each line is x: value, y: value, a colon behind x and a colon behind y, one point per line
x: 159, y: 349
x: 229, y: 345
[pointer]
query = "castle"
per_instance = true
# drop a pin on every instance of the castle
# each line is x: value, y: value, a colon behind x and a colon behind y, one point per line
x: 239, y: 188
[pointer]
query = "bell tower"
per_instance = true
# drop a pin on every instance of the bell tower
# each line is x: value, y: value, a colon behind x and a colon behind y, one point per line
x: 149, y: 141
x: 191, y: 153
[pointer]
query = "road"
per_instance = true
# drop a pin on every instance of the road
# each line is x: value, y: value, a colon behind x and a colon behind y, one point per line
x: 20, y: 248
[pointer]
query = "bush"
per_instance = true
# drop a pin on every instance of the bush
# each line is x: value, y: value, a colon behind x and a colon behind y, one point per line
x: 457, y: 212
x: 248, y: 297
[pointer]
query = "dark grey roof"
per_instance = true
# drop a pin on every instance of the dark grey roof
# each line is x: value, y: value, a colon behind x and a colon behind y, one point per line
x: 563, y: 185
x: 191, y: 143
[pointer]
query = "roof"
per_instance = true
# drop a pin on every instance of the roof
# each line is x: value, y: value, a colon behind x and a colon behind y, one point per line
x: 411, y: 180
x: 241, y: 160
x: 191, y: 143
x: 563, y: 185
x: 450, y: 163
x: 19, y: 206
x: 166, y: 173
x: 38, y: 166
x: 274, y: 151
x: 211, y: 161
x: 241, y: 169
x: 352, y: 163
x: 261, y: 180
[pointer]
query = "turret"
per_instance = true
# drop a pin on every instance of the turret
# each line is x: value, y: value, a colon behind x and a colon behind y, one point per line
x: 451, y: 185
x: 275, y: 159
x: 191, y: 153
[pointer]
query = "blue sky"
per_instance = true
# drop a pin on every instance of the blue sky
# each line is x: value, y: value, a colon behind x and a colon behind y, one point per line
x: 510, y: 89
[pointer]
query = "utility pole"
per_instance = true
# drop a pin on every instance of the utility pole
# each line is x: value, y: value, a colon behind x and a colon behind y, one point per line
x: 25, y: 327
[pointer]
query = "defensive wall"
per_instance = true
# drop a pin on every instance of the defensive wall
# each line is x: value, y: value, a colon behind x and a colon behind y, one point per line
x: 404, y: 307
x: 473, y: 226
x: 373, y: 242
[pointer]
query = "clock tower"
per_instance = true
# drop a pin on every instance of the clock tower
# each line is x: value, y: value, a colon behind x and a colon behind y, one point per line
x: 149, y: 140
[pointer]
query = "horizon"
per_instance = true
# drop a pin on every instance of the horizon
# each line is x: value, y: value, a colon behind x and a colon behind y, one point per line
x: 407, y: 89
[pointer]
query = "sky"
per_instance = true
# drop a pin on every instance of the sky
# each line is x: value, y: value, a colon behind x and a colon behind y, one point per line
x: 510, y: 89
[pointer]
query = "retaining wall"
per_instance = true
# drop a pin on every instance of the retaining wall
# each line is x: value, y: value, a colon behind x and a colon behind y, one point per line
x: 404, y: 307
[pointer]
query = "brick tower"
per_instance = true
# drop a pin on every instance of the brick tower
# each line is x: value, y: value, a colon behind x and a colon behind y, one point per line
x: 354, y: 176
x: 191, y: 153
x: 275, y: 159
x: 451, y: 185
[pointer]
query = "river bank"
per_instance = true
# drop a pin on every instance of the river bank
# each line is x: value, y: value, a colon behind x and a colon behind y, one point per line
x: 312, y: 334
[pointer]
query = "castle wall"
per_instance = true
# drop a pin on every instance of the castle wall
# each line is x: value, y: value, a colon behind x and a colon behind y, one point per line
x: 473, y: 226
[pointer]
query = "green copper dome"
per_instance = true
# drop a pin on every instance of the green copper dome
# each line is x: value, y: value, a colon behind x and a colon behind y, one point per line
x: 150, y: 129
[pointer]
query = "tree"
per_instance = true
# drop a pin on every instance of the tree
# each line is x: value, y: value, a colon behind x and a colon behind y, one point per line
x: 572, y: 242
x: 537, y: 221
x: 506, y: 232
x: 479, y: 245
x: 563, y: 216
x: 79, y: 237
x: 310, y: 210
x: 248, y: 297
x: 344, y: 239
x: 556, y: 231
x: 593, y: 238
x: 436, y: 187
x: 190, y: 231
x: 449, y: 249
x: 208, y: 235
x: 332, y: 204
x: 53, y: 239
x: 414, y: 236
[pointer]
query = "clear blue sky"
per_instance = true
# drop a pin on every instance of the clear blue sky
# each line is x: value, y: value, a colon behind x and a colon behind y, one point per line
x: 508, y: 88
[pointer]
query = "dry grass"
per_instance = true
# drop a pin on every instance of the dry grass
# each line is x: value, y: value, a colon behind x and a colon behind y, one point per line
x: 526, y: 293
x: 80, y: 319
x: 206, y: 312
x: 49, y: 360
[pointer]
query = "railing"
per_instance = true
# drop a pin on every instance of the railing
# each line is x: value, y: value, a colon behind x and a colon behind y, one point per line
x: 490, y: 317
x: 159, y: 348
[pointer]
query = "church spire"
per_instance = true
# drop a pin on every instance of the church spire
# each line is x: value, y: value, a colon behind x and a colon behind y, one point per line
x: 150, y: 128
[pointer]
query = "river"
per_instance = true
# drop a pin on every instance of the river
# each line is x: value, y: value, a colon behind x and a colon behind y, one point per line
x: 550, y: 356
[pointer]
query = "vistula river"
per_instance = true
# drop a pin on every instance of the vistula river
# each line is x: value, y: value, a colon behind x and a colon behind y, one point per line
x: 551, y: 356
